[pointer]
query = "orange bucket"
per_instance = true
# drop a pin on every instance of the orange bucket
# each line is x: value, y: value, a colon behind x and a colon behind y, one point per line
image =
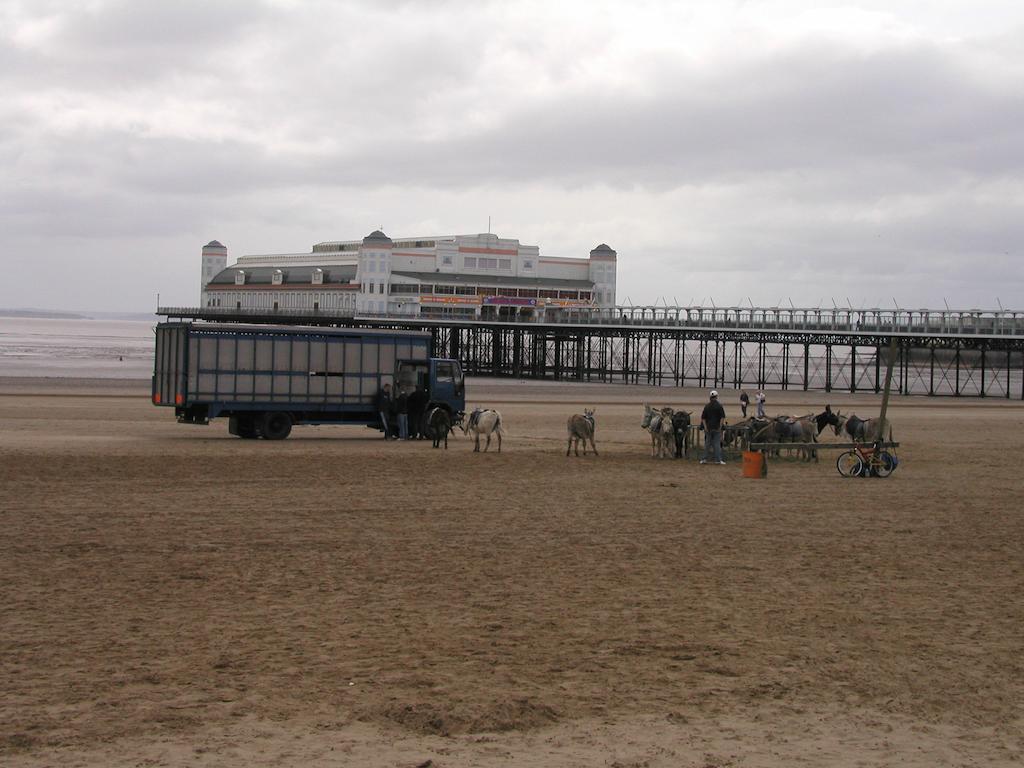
x: 754, y: 464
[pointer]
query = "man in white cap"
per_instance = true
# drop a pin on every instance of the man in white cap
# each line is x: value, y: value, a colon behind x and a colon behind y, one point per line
x: 712, y: 418
x: 760, y: 405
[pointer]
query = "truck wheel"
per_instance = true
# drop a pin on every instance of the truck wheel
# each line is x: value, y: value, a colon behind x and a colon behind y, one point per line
x: 276, y: 425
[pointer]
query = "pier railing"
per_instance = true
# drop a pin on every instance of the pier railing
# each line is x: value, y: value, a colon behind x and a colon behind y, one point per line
x: 930, y: 322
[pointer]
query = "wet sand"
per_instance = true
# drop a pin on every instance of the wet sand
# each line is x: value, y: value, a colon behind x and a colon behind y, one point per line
x: 174, y: 595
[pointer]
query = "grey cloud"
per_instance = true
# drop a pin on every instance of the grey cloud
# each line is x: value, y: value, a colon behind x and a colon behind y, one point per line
x: 815, y: 112
x: 131, y: 43
x: 126, y: 25
x: 817, y: 169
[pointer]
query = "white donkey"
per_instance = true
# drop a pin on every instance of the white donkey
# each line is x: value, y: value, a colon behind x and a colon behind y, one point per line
x: 581, y: 428
x: 484, y: 421
x: 659, y: 424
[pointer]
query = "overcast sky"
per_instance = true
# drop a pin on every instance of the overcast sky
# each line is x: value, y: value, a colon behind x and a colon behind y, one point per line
x: 754, y: 150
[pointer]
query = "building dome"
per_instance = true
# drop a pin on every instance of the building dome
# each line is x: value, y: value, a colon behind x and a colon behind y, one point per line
x: 377, y: 238
x: 214, y: 244
x: 603, y: 250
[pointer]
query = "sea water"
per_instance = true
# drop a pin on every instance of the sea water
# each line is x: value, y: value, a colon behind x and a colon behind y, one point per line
x: 78, y: 348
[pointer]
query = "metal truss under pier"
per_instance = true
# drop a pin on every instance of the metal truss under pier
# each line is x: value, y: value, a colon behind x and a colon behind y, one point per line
x: 737, y: 359
x: 976, y: 365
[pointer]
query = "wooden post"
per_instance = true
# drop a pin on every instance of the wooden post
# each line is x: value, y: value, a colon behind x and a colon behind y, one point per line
x: 888, y: 386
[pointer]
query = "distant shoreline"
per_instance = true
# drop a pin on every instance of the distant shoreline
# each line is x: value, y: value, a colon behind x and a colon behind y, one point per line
x: 45, y: 314
x: 57, y: 314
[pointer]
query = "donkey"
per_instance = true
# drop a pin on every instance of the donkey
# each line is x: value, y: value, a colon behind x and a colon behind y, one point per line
x: 862, y: 430
x: 486, y: 422
x: 761, y: 430
x: 799, y: 429
x: 581, y: 428
x: 738, y: 434
x: 438, y: 423
x: 667, y: 432
x: 681, y: 432
x: 659, y: 424
x: 828, y: 419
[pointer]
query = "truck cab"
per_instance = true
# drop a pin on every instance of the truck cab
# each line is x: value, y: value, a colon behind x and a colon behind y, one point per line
x: 441, y: 379
x: 266, y: 378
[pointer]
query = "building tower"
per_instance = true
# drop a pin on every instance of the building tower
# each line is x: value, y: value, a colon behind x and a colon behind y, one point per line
x: 373, y: 273
x: 215, y: 259
x: 602, y: 274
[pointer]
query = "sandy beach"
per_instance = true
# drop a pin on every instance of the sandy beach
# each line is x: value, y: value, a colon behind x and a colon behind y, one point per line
x: 172, y: 595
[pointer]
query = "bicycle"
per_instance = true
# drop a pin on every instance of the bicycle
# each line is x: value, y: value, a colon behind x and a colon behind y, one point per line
x: 867, y: 461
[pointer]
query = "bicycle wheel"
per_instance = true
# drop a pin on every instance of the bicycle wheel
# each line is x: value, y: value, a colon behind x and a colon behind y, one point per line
x: 885, y: 465
x: 849, y: 464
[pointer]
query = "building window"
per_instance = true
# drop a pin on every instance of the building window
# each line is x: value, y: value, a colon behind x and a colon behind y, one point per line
x: 470, y: 262
x: 239, y: 277
x: 487, y: 263
x: 465, y: 290
x: 504, y: 263
x: 318, y: 276
x: 278, y: 277
x: 446, y: 259
x: 371, y: 266
x: 371, y: 286
x: 527, y: 264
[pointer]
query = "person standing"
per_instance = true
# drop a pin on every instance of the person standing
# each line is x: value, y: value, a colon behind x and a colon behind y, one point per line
x: 744, y: 402
x: 712, y: 418
x: 384, y: 404
x: 760, y: 405
x: 417, y: 410
x: 402, y: 408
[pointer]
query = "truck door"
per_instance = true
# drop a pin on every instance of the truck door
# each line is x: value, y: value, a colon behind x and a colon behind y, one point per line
x: 447, y: 385
x: 412, y: 374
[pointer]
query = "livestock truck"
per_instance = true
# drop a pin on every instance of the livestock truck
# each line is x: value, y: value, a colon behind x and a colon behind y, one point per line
x: 264, y: 379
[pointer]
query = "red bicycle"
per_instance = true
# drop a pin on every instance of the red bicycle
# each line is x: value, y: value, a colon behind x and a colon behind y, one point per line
x: 870, y: 460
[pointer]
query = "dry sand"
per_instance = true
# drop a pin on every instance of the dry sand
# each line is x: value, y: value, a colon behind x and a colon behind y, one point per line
x: 172, y: 595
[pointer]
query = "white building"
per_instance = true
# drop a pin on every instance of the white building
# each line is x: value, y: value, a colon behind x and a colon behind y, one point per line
x: 461, y: 275
x: 215, y: 259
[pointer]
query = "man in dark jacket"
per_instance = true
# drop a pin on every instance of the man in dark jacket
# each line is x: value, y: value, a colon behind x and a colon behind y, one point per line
x: 712, y: 418
x: 384, y: 406
x: 417, y: 411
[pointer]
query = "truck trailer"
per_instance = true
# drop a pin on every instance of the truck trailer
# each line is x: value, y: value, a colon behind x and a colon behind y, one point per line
x: 267, y: 378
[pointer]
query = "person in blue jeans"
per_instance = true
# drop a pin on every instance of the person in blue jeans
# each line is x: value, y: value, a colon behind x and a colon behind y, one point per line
x: 402, y: 409
x: 711, y: 419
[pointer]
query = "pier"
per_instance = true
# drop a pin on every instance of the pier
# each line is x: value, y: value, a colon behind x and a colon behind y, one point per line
x: 957, y: 353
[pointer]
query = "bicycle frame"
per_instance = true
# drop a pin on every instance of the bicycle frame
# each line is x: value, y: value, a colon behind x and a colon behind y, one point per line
x: 867, y: 461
